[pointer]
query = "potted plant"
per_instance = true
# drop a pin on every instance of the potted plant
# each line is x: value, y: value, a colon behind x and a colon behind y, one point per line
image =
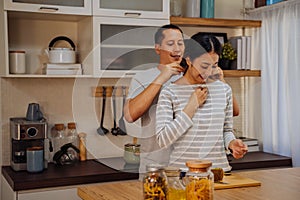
x: 228, y: 54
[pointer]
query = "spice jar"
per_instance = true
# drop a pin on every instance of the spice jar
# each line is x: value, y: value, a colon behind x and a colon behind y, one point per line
x: 199, y: 180
x: 175, y: 189
x: 155, y: 183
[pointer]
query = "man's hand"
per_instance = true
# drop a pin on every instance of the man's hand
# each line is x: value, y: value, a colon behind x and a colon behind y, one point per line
x: 167, y: 71
x: 239, y: 149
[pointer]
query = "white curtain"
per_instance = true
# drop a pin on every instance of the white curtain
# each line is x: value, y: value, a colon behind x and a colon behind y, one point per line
x: 278, y: 45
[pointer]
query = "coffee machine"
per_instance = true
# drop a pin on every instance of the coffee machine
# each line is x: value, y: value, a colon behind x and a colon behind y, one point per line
x: 26, y: 134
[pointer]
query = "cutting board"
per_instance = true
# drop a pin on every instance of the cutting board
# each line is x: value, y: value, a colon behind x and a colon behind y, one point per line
x: 236, y: 181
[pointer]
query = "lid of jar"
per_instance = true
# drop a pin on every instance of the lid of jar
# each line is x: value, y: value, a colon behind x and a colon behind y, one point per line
x: 59, y: 127
x: 172, y: 171
x: 17, y: 51
x: 71, y: 125
x: 154, y: 167
x: 200, y: 164
x: 132, y: 145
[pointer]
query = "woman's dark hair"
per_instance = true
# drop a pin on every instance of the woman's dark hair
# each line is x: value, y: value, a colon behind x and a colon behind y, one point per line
x: 159, y: 36
x: 200, y: 44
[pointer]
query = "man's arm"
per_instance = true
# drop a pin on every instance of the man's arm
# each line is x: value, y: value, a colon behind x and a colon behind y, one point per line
x: 134, y: 108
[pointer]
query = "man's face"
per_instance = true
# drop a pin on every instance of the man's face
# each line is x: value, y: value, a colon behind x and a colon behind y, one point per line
x: 171, y: 48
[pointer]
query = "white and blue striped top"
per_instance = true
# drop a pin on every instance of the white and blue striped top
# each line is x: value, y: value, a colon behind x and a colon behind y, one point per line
x: 206, y: 135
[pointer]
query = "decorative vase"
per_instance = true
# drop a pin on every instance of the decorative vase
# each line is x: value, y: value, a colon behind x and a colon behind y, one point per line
x: 225, y: 64
x: 207, y: 8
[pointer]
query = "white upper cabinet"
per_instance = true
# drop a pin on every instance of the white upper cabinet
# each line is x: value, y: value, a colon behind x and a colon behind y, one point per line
x: 151, y: 9
x: 74, y: 7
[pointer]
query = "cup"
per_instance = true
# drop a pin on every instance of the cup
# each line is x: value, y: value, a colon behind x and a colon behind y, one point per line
x: 35, y: 159
x: 33, y: 112
x: 17, y: 62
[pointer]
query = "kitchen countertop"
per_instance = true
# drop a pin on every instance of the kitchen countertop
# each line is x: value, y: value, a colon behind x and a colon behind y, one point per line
x: 86, y: 172
x: 92, y: 171
x: 276, y: 184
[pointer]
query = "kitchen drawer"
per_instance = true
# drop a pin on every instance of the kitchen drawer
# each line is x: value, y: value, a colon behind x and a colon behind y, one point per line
x: 77, y: 7
x: 154, y: 9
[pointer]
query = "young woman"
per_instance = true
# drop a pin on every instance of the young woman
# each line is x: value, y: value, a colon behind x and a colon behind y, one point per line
x: 194, y: 114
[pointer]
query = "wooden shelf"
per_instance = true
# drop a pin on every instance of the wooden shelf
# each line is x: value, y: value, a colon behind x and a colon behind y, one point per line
x: 242, y: 73
x: 191, y: 21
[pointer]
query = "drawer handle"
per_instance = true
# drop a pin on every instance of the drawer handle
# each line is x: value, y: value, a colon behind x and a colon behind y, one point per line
x: 132, y: 14
x: 48, y: 9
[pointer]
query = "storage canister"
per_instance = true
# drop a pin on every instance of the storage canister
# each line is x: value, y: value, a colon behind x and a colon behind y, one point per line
x: 17, y: 62
x: 155, y: 182
x: 199, y: 180
x: 176, y: 188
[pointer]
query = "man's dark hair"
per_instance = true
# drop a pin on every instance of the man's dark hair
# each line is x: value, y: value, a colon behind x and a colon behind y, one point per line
x: 159, y: 36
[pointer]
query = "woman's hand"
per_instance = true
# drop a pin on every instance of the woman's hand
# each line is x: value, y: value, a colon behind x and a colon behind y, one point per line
x: 197, y: 99
x: 239, y: 149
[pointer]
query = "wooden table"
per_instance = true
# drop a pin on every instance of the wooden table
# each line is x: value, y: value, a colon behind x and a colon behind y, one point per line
x: 275, y: 184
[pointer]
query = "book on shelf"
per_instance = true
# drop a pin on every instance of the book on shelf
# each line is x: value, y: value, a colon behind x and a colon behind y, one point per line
x: 253, y: 148
x: 249, y: 141
x: 242, y: 46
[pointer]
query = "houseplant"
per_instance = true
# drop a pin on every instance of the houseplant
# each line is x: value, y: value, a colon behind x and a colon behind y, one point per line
x: 228, y: 55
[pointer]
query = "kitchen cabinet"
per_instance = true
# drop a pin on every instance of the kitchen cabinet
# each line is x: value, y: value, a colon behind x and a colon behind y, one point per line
x: 78, y: 7
x: 154, y: 9
x: 121, y: 46
x: 69, y: 193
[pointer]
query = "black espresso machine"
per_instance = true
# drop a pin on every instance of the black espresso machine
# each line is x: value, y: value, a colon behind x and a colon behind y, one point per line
x: 26, y: 134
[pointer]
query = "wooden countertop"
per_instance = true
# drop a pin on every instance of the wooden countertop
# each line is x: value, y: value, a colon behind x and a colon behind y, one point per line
x: 86, y: 172
x: 275, y: 184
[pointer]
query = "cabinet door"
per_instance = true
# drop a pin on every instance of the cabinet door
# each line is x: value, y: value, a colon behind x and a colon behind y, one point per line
x: 132, y: 8
x: 123, y: 46
x: 77, y: 7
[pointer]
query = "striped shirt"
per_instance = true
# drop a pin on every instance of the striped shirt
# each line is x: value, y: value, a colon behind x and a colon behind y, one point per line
x: 206, y: 135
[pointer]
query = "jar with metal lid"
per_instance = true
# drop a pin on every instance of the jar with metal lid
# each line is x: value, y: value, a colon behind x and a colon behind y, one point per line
x: 199, y: 180
x: 155, y: 182
x: 176, y: 188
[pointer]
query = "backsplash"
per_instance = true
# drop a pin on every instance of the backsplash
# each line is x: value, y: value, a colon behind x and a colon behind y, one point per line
x: 64, y: 100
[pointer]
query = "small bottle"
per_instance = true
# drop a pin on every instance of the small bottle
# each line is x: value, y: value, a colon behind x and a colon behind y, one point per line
x: 199, y: 175
x: 155, y: 182
x: 58, y: 135
x: 176, y: 189
x: 71, y: 134
x: 82, y: 146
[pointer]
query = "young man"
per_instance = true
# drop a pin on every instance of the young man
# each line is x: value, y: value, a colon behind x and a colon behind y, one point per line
x: 145, y: 87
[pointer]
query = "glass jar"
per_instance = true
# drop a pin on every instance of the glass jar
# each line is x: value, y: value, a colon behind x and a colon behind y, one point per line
x: 175, y: 189
x: 199, y: 180
x: 176, y: 7
x: 71, y: 134
x: 155, y: 183
x: 132, y: 153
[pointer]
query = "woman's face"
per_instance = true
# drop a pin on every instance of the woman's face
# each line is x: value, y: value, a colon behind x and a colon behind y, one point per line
x: 171, y: 48
x: 203, y: 66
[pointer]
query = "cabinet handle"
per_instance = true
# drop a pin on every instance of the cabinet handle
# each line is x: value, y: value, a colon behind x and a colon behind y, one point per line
x: 48, y: 9
x: 130, y: 74
x: 132, y: 14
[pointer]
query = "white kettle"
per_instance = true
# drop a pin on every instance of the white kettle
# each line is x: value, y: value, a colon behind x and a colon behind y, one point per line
x: 61, y: 55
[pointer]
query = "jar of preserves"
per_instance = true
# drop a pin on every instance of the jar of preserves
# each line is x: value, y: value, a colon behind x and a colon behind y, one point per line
x: 175, y: 189
x: 155, y: 183
x: 199, y: 180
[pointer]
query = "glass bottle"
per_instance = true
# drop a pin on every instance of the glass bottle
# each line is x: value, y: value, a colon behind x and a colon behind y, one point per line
x: 176, y: 7
x: 58, y: 139
x: 155, y: 182
x: 176, y: 189
x: 199, y: 180
x: 71, y: 134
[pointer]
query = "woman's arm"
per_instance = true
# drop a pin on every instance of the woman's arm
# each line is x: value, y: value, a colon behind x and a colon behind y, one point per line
x: 169, y: 126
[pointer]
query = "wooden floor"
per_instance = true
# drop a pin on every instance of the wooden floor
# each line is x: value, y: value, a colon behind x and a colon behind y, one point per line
x: 254, y: 160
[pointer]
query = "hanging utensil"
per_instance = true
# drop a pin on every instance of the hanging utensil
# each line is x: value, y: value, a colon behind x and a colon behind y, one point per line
x: 115, y: 130
x: 121, y: 120
x: 101, y: 130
